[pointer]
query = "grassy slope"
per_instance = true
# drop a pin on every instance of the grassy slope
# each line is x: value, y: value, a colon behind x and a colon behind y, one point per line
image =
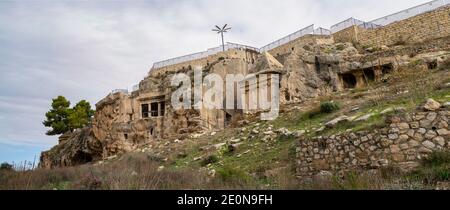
x: 279, y: 154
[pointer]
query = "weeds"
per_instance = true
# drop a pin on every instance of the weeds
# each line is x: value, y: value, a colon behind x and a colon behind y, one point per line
x: 329, y: 107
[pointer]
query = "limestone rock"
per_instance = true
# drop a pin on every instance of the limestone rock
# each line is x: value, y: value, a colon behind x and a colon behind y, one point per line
x: 446, y: 105
x: 429, y: 144
x: 364, y: 117
x: 431, y: 105
x: 265, y: 62
x: 80, y: 147
x: 443, y: 132
x: 334, y: 122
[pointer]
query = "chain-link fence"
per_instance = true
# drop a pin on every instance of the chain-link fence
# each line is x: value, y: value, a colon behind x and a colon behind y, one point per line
x: 288, y: 38
x: 124, y: 91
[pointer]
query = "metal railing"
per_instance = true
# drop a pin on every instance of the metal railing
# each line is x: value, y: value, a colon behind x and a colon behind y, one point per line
x: 124, y: 91
x: 310, y: 30
x: 322, y: 31
x: 386, y: 20
x: 201, y: 55
x: 288, y: 38
x: 411, y: 12
x: 231, y: 45
x: 346, y: 24
x: 135, y: 87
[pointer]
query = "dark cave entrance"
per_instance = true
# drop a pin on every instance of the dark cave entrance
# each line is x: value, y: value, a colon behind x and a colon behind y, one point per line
x: 82, y: 158
x: 228, y: 119
x: 387, y: 68
x: 369, y: 75
x: 349, y: 80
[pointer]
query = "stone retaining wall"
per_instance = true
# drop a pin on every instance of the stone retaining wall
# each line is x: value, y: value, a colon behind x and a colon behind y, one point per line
x: 430, y: 25
x: 407, y: 139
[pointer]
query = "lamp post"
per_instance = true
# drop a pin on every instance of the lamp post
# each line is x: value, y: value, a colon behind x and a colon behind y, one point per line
x: 220, y: 31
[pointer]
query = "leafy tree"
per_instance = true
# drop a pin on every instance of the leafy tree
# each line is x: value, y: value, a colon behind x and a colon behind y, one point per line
x: 57, y: 117
x: 6, y: 167
x: 80, y: 115
x: 61, y: 118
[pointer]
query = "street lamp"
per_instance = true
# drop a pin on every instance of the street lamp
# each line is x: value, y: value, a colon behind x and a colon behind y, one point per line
x: 222, y: 30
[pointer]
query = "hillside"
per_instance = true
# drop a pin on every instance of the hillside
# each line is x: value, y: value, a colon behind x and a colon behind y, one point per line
x: 262, y: 155
x: 360, y: 107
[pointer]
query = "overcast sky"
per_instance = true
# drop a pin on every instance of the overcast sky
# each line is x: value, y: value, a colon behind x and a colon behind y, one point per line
x: 85, y: 49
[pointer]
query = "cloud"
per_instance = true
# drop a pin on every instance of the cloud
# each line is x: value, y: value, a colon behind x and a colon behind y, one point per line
x: 84, y: 49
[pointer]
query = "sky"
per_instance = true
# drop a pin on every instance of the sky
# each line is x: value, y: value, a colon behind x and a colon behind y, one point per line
x: 85, y: 49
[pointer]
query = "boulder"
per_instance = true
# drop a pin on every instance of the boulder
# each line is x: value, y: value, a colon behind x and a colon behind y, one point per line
x: 431, y: 105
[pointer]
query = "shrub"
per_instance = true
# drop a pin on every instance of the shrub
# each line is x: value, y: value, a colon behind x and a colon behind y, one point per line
x: 434, y: 169
x: 89, y: 182
x: 438, y: 159
x: 329, y: 107
x: 230, y: 174
x: 209, y: 160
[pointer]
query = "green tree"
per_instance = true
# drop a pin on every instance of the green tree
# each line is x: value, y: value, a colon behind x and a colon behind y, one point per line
x: 80, y: 115
x: 62, y: 119
x: 6, y: 166
x: 58, y: 116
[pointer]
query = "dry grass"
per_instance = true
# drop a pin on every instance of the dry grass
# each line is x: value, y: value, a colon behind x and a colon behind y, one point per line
x: 131, y: 172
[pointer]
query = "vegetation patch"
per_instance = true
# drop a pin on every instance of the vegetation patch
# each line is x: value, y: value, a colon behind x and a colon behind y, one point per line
x: 329, y: 107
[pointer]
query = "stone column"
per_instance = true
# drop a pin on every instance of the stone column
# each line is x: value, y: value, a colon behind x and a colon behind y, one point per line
x: 378, y: 73
x: 360, y: 81
x: 159, y: 109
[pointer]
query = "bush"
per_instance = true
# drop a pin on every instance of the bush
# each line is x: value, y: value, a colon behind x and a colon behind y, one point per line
x: 6, y: 167
x: 230, y: 174
x: 329, y: 107
x: 438, y: 159
x: 209, y: 160
x: 434, y: 169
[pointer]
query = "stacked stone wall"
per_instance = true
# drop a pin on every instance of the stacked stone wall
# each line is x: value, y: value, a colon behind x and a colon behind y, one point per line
x: 406, y: 139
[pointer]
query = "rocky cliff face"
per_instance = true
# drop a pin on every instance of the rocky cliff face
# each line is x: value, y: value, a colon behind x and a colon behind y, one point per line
x: 80, y: 147
x: 100, y: 140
